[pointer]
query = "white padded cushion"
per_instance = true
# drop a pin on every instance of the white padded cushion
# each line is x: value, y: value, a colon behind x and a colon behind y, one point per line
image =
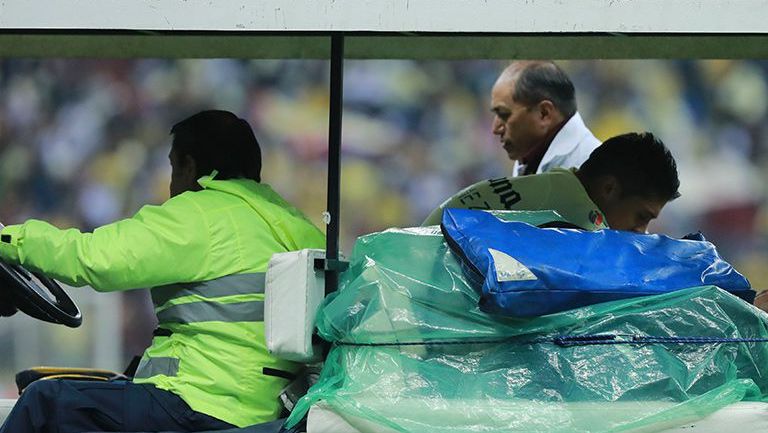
x: 294, y: 291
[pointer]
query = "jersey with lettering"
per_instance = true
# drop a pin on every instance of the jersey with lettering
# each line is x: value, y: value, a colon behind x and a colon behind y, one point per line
x: 558, y: 189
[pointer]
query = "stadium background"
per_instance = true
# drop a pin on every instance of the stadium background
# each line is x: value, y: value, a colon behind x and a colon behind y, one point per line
x: 85, y: 142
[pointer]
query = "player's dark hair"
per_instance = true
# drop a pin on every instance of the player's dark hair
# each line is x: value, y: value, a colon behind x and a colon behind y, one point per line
x: 640, y: 162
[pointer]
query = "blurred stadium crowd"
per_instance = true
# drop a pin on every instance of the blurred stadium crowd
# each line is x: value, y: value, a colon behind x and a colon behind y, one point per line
x: 85, y: 142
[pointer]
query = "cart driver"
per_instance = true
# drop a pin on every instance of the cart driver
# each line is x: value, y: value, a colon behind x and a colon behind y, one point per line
x: 204, y: 252
x: 623, y: 185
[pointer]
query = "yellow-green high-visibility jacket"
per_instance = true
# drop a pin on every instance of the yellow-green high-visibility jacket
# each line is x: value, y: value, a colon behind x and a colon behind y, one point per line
x: 558, y: 189
x: 205, y: 254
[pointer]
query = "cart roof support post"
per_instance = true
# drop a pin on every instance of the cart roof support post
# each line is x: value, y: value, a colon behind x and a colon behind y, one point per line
x: 332, y: 264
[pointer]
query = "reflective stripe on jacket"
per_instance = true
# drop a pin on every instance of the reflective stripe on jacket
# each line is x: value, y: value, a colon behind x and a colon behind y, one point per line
x: 204, y: 253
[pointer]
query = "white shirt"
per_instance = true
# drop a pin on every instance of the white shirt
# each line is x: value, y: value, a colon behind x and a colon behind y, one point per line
x: 570, y: 148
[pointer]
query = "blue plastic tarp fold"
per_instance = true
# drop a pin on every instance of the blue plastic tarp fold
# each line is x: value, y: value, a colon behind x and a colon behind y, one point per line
x: 528, y: 271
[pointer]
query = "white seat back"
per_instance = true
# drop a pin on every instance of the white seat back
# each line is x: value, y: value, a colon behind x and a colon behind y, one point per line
x: 294, y: 291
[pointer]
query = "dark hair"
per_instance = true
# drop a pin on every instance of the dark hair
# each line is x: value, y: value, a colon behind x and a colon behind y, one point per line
x: 641, y: 162
x: 219, y: 140
x: 537, y: 81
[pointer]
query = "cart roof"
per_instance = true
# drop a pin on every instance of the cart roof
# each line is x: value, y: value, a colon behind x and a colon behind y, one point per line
x: 421, y: 29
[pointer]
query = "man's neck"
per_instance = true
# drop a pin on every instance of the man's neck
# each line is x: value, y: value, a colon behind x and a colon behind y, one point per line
x: 533, y: 158
x: 586, y: 184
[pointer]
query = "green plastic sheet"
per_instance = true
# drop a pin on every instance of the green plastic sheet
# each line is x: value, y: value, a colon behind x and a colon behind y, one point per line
x: 412, y: 352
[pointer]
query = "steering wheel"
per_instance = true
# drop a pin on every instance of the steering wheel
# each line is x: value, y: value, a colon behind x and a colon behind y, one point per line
x: 38, y: 296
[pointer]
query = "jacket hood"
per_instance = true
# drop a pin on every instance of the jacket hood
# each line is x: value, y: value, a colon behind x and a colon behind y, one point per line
x: 292, y: 227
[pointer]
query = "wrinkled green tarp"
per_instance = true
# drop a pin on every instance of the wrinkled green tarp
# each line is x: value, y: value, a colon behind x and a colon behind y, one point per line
x: 453, y: 368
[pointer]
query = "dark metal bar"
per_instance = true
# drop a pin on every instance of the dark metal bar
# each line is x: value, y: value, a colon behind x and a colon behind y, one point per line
x: 334, y: 162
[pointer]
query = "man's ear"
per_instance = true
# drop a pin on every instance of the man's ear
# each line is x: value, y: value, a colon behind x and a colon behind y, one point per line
x: 548, y: 114
x: 608, y: 188
x: 189, y: 167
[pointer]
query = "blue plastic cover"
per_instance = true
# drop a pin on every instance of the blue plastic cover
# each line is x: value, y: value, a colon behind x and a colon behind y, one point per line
x: 528, y: 271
